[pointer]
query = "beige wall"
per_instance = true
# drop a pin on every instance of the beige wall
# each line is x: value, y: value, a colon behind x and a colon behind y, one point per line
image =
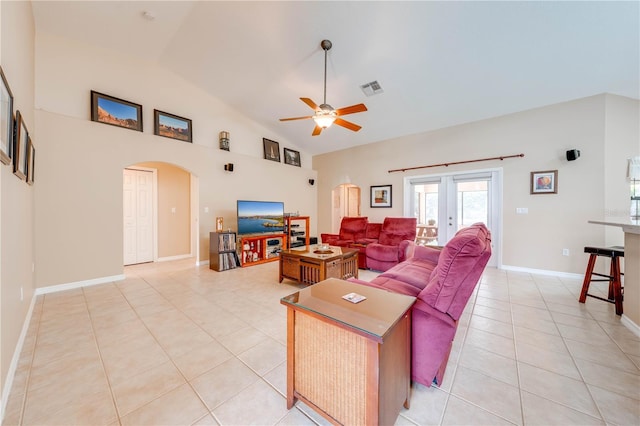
x: 174, y: 193
x: 78, y: 222
x: 17, y: 198
x: 554, y: 222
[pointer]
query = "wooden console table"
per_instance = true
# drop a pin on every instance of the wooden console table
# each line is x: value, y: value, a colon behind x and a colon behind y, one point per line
x: 309, y: 266
x: 349, y: 362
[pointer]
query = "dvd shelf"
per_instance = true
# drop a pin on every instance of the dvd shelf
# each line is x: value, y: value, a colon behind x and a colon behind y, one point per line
x: 222, y: 251
x: 297, y: 236
x: 256, y: 249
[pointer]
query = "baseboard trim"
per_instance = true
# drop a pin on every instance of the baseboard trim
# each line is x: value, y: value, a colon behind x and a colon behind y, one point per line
x: 170, y: 258
x: 632, y: 326
x: 78, y: 284
x: 14, y: 360
x: 542, y: 272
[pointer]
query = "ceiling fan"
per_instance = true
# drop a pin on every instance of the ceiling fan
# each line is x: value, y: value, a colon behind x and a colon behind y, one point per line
x: 325, y: 115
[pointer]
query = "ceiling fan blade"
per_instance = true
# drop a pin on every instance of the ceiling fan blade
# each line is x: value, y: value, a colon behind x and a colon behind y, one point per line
x: 316, y: 130
x: 296, y: 118
x: 310, y: 103
x: 351, y: 109
x: 347, y: 124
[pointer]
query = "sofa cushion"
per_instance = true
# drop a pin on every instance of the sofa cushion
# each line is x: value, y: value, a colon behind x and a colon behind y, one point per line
x: 382, y: 252
x: 395, y: 230
x: 460, y: 265
x: 352, y: 228
x: 415, y: 272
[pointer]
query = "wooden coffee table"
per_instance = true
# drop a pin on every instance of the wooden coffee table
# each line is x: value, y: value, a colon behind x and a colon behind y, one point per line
x: 309, y: 265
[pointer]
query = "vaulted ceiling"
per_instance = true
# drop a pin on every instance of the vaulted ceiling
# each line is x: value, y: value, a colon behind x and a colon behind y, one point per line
x: 439, y: 63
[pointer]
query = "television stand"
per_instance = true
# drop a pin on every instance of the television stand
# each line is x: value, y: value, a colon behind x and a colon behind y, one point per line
x: 260, y: 248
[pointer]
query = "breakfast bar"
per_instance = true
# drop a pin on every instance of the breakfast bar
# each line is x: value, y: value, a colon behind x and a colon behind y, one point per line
x: 631, y: 229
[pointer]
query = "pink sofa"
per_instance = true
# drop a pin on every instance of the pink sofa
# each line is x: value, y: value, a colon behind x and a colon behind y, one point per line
x: 442, y: 280
x: 395, y: 235
x: 355, y: 232
x: 351, y: 230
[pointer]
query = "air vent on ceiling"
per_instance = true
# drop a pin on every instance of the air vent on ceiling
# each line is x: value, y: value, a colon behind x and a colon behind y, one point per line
x: 372, y: 88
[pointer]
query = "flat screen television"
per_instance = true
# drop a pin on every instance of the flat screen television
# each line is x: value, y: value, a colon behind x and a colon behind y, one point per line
x: 260, y: 217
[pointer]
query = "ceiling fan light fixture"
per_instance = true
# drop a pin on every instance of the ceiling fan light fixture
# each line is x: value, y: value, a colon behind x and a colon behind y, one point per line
x: 325, y: 116
x: 324, y: 120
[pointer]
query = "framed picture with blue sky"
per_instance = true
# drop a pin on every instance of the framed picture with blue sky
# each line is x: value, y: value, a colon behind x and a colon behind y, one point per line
x: 116, y: 112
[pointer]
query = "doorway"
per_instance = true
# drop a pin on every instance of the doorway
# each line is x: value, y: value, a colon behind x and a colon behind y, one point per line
x: 444, y: 204
x: 345, y: 203
x: 139, y: 215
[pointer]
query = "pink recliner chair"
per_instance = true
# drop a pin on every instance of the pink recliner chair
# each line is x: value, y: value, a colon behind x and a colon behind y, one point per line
x: 392, y: 243
x: 442, y: 280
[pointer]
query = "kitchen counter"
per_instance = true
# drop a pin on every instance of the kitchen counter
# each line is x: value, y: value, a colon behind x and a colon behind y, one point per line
x: 631, y: 303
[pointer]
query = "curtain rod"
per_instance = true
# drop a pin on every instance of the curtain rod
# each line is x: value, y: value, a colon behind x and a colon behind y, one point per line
x: 457, y: 162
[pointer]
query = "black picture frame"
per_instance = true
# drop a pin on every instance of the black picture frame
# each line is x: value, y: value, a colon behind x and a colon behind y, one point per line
x: 6, y: 120
x: 172, y: 126
x: 115, y: 111
x: 271, y: 150
x: 31, y: 162
x: 20, y: 147
x: 292, y: 157
x: 381, y: 196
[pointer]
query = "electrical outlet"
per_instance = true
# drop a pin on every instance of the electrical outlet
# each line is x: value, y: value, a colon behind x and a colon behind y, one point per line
x: 21, y: 294
x: 565, y: 252
x: 522, y: 210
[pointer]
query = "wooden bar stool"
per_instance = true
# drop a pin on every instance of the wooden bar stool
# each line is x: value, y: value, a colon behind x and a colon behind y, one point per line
x: 614, y: 278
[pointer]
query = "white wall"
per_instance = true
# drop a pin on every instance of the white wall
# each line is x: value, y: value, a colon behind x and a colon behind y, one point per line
x: 78, y: 220
x: 544, y: 134
x: 17, y: 198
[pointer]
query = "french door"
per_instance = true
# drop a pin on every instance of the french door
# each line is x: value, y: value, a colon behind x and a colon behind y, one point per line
x: 444, y: 204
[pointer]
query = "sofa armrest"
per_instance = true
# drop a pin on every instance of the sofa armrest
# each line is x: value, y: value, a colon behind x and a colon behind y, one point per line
x: 430, y: 253
x: 326, y: 238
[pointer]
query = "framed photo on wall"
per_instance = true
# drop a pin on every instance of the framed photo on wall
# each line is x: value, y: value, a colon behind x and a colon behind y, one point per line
x: 116, y: 112
x: 172, y: 126
x: 271, y: 150
x: 6, y: 120
x: 545, y: 182
x: 20, y: 147
x: 292, y: 157
x: 381, y: 196
x: 31, y: 161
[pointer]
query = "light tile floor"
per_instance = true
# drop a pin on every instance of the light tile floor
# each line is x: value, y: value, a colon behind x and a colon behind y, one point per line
x: 178, y: 344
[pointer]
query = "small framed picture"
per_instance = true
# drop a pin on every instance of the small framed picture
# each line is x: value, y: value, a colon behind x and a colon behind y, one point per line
x: 381, y: 196
x: 116, y: 112
x: 20, y: 147
x: 31, y: 161
x: 545, y: 182
x: 171, y: 126
x: 291, y: 157
x: 271, y: 150
x: 6, y: 120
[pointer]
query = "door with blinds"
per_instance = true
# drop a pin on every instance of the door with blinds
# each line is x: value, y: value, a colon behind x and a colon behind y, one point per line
x: 443, y: 204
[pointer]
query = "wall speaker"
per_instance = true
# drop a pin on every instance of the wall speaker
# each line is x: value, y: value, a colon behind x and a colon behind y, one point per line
x: 312, y: 181
x: 573, y: 154
x: 228, y: 167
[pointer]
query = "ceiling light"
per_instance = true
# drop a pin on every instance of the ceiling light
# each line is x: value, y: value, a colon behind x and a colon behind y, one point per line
x: 325, y: 116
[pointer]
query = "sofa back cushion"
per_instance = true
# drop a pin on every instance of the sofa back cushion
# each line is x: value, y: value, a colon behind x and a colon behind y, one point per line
x: 373, y: 230
x: 460, y: 265
x: 353, y: 228
x: 396, y: 229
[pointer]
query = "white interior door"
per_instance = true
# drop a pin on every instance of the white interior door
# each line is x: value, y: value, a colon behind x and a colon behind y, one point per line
x: 444, y: 204
x: 137, y: 216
